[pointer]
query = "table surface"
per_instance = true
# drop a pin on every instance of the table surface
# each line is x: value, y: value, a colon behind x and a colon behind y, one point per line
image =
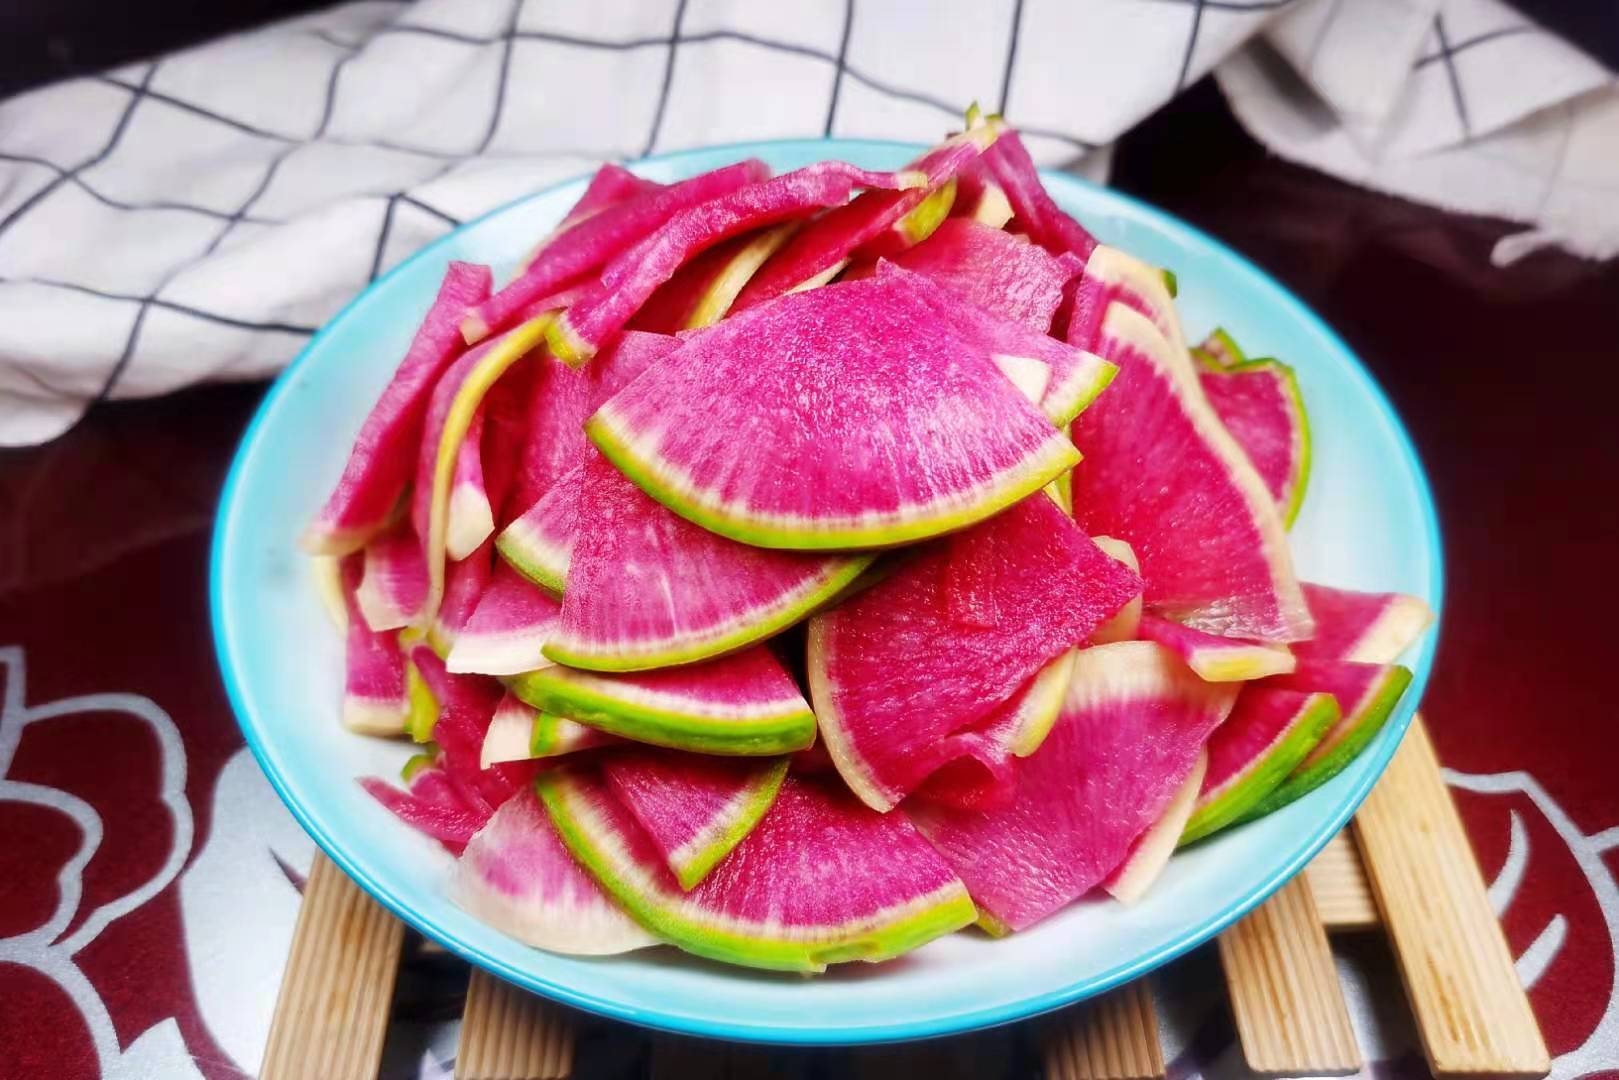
x: 166, y: 946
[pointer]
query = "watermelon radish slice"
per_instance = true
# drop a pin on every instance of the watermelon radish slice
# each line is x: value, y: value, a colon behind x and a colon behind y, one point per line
x: 983, y: 775
x: 539, y: 545
x: 693, y: 808
x: 1004, y: 274
x: 516, y: 876
x: 423, y: 707
x: 1371, y: 628
x: 1152, y: 849
x: 431, y: 807
x: 1112, y: 276
x: 1046, y: 223
x: 466, y: 708
x: 812, y: 759
x: 1039, y: 705
x: 1124, y: 626
x: 1217, y: 659
x: 892, y: 674
x: 971, y: 569
x: 843, y: 417
x: 467, y: 581
x: 505, y: 436
x: 471, y: 519
x: 631, y: 278
x: 562, y: 398
x: 1132, y: 727
x: 1260, y: 404
x: 717, y: 300
x: 509, y: 731
x: 393, y: 585
x: 455, y: 400
x: 980, y: 773
x: 416, y: 764
x: 327, y: 573
x: 508, y: 628
x: 1221, y: 349
x: 368, y: 494
x: 1072, y: 378
x: 741, y: 704
x: 647, y: 588
x: 1162, y: 473
x: 703, y: 290
x: 552, y: 736
x: 599, y: 238
x: 519, y: 732
x: 1366, y: 693
x: 375, y: 701
x: 915, y: 226
x: 611, y: 184
x: 768, y: 905
x: 979, y: 198
x: 1264, y: 739
x: 880, y: 221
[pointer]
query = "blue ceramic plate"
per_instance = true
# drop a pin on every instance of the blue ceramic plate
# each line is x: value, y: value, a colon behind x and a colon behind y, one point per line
x: 1368, y: 522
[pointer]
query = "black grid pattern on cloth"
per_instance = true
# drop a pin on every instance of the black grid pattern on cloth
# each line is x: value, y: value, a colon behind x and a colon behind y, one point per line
x: 142, y: 94
x: 1448, y: 54
x: 1198, y: 7
x: 1449, y: 50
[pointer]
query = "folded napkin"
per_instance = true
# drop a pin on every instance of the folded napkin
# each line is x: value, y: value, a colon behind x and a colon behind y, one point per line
x: 197, y: 216
x: 1465, y: 104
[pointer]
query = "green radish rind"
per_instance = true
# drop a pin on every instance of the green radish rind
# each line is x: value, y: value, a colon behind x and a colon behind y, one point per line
x: 1303, y: 449
x: 1158, y: 339
x: 1041, y: 705
x: 743, y: 630
x: 914, y: 522
x: 602, y: 704
x: 920, y: 223
x: 834, y: 730
x: 416, y: 763
x: 1327, y: 760
x: 536, y: 560
x: 374, y: 716
x: 727, y: 285
x: 507, y: 350
x: 422, y: 707
x: 1085, y: 382
x: 876, y: 937
x: 553, y: 736
x: 1221, y: 349
x: 1247, y: 789
x: 692, y: 861
x: 990, y: 925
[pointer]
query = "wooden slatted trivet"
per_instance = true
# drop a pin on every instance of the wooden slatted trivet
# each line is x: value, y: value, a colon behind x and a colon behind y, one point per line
x: 1409, y: 871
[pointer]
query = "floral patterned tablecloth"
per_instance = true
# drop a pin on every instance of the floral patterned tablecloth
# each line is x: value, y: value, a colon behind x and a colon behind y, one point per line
x: 149, y: 879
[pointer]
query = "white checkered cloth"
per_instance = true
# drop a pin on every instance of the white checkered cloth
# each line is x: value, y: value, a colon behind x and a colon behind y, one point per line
x: 198, y: 216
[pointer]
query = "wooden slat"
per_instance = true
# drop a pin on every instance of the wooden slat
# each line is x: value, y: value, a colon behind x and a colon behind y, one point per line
x: 1471, y: 1011
x: 509, y: 1034
x: 332, y: 1013
x: 1290, y: 1010
x: 1113, y: 1037
x: 1343, y: 896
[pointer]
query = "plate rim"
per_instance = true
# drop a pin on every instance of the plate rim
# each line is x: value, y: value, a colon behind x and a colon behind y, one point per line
x: 774, y: 1033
